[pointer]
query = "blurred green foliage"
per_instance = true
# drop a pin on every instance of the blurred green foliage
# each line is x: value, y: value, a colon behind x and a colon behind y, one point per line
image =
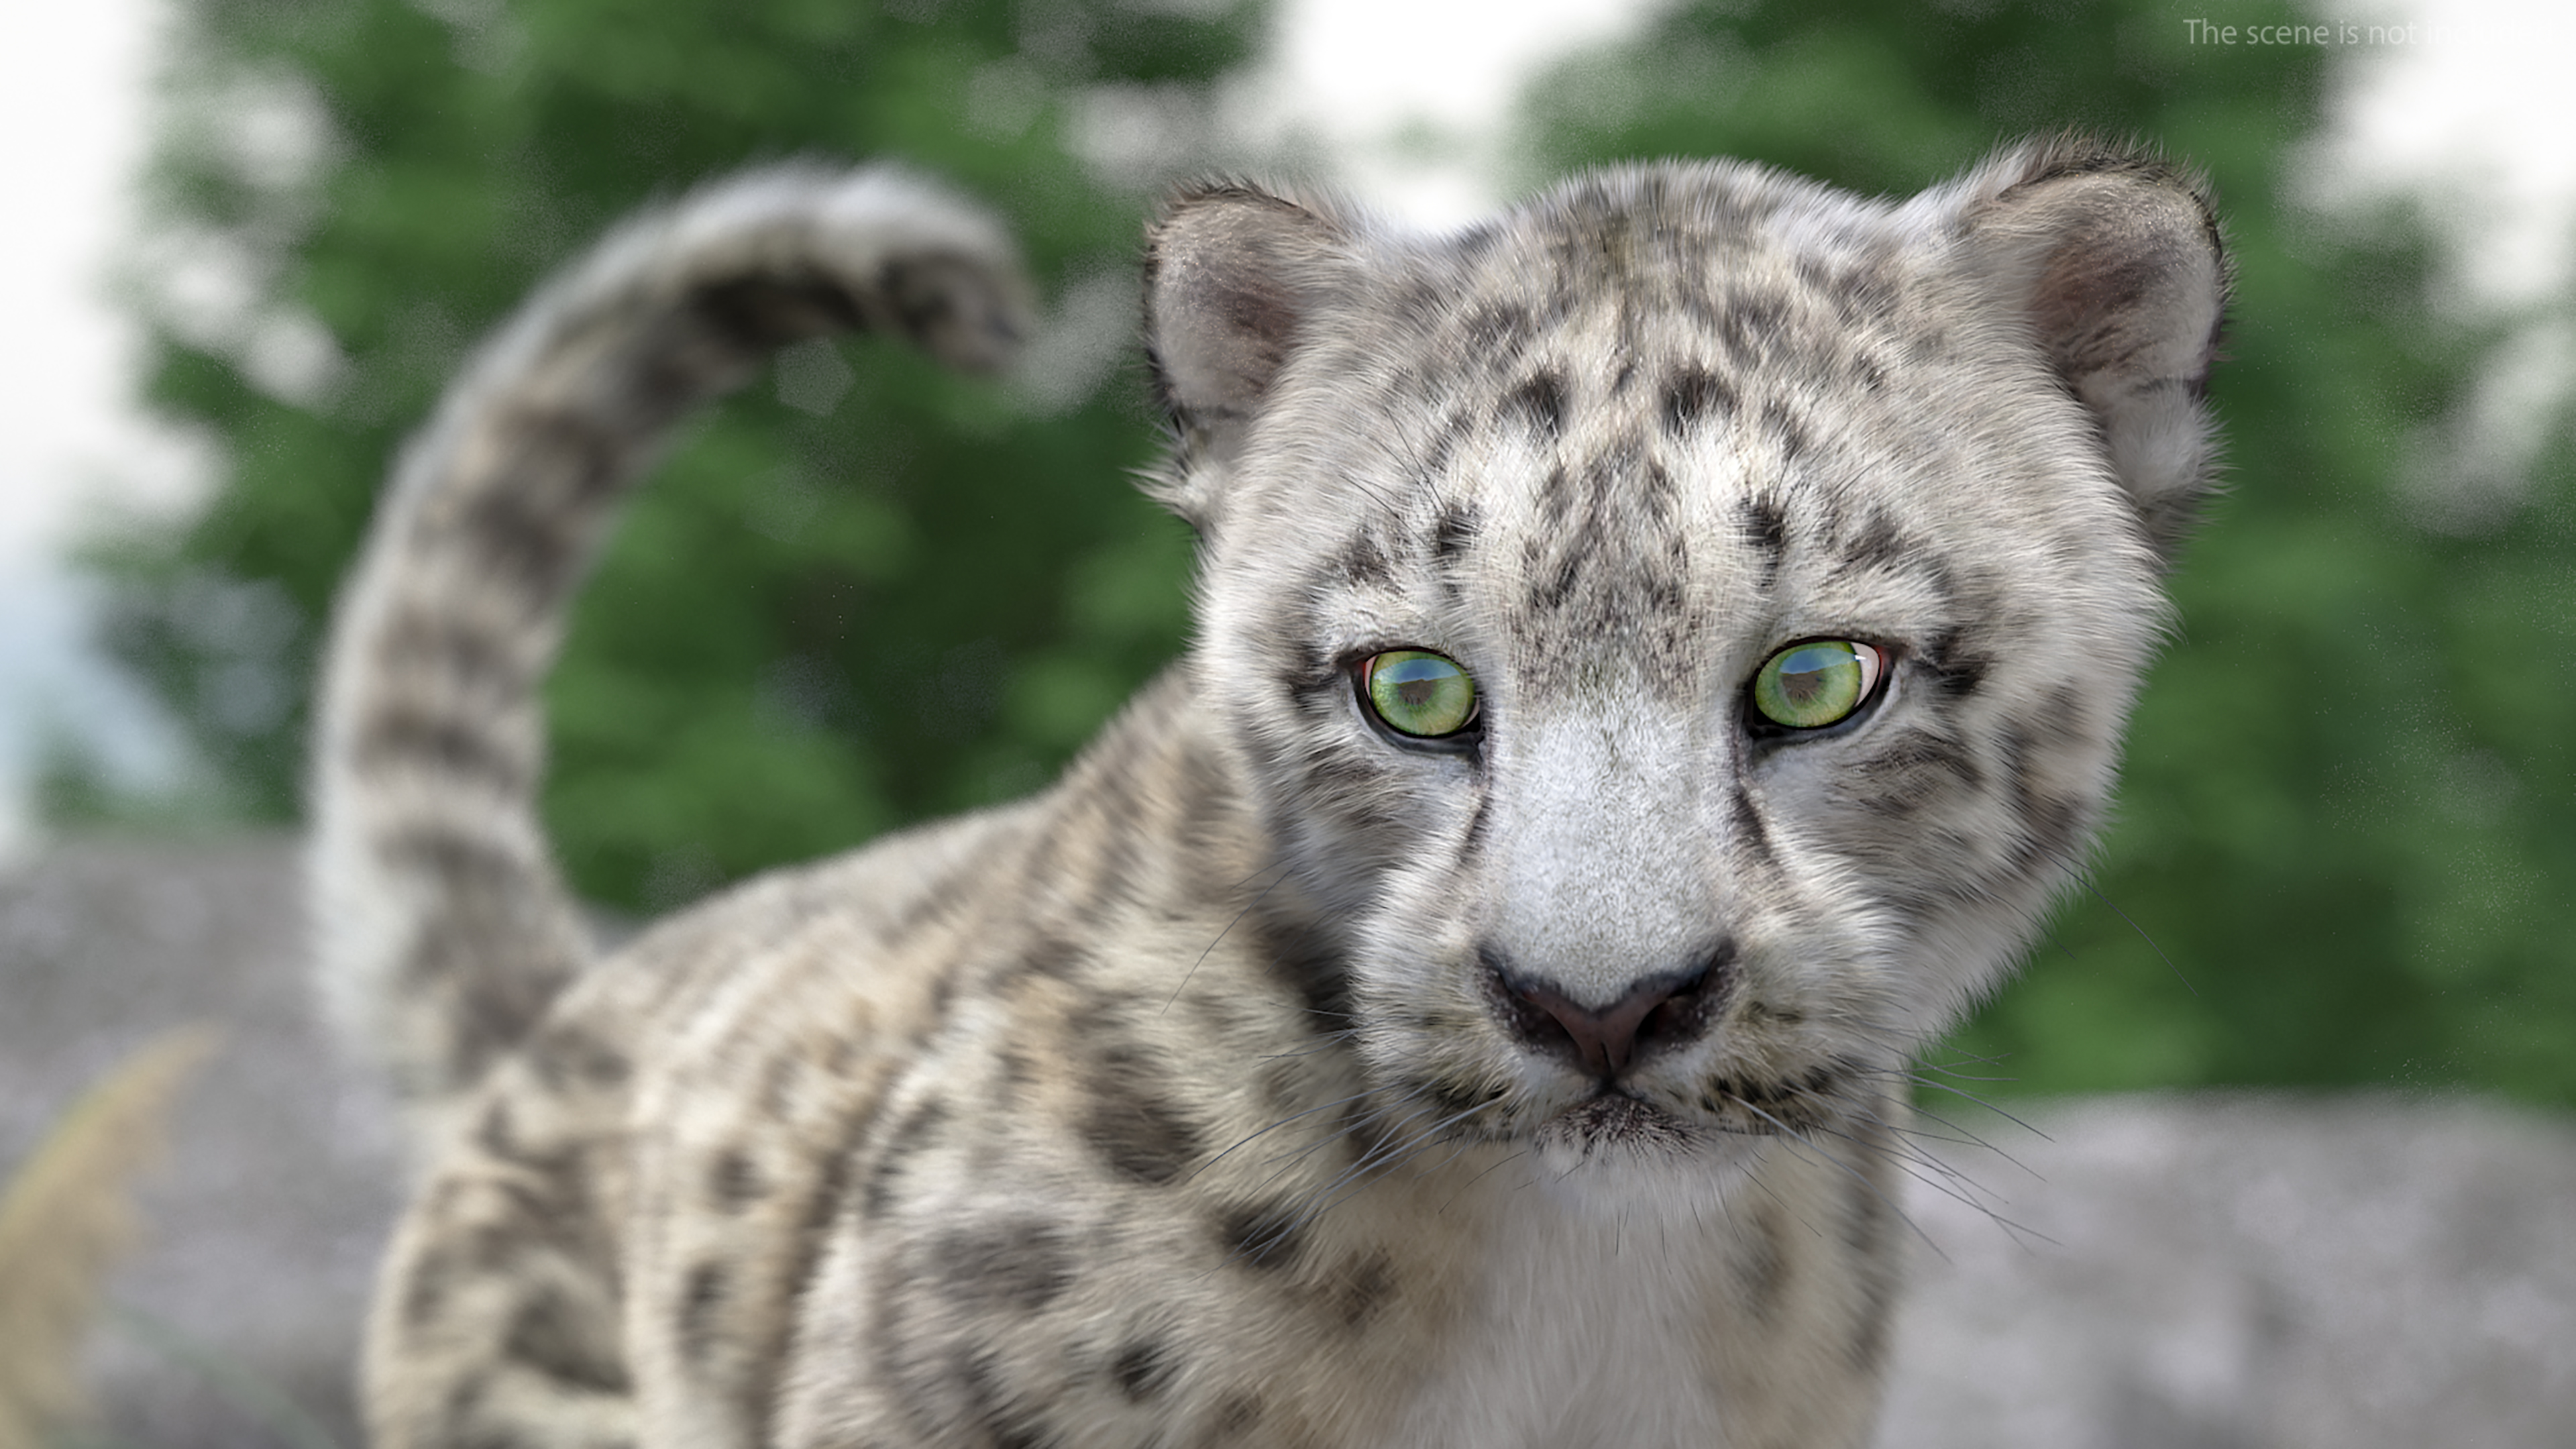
x: 2350, y: 799
x: 810, y: 628
x: 2349, y: 787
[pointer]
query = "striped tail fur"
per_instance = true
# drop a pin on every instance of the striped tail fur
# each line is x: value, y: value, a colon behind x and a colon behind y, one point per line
x: 443, y: 927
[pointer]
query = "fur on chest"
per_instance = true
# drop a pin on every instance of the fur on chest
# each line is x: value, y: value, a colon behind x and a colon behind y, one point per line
x: 1653, y: 1308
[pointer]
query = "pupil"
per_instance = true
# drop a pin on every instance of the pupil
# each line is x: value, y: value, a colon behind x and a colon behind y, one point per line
x: 1803, y: 688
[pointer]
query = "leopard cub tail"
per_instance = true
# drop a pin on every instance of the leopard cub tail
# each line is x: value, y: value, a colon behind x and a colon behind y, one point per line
x: 443, y: 927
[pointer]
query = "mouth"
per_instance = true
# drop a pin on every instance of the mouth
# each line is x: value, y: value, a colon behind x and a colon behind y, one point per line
x: 1724, y: 1115
x: 1612, y: 1119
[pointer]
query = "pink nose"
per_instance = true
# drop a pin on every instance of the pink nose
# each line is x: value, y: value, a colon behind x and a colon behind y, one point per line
x: 1606, y: 1038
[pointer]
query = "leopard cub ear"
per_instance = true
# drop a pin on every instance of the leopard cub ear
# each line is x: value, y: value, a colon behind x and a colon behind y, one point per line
x: 2113, y: 255
x: 1233, y: 276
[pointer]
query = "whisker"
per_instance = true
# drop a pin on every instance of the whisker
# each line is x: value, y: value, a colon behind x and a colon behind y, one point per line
x: 1966, y: 1193
x: 1854, y: 1173
x: 1297, y: 1221
x: 1323, y: 1041
x: 1906, y: 1046
x: 1288, y: 1161
x: 1480, y: 1177
x: 1380, y: 1161
x: 1782, y: 1204
x: 1273, y: 1127
x: 1387, y: 1153
x: 1456, y: 1151
x: 2084, y: 878
x: 1968, y: 1138
x: 1282, y: 868
x: 1411, y: 1095
x: 1989, y: 1106
x: 1931, y: 1179
x: 1955, y: 1137
x: 1971, y: 1058
x: 1900, y: 1147
x: 1967, y: 1077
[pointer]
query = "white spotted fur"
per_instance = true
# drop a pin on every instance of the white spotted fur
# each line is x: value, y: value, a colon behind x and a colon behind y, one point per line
x: 1230, y: 1090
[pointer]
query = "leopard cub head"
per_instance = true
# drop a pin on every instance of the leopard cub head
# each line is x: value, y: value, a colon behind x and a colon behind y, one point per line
x: 1682, y: 630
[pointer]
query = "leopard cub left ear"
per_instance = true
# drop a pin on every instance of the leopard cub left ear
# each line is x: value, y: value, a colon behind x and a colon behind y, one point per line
x: 2113, y: 255
x: 1234, y: 276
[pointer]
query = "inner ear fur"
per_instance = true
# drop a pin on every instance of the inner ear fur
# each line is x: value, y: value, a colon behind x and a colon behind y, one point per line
x: 1232, y: 275
x: 2114, y: 257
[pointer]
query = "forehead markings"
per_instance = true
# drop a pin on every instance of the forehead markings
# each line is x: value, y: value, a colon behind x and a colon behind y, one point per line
x: 1880, y: 542
x: 1453, y: 529
x: 1420, y: 532
x: 1623, y: 270
x: 1861, y: 291
x: 1438, y: 454
x: 1538, y: 405
x: 1693, y: 399
x: 1785, y: 428
x: 1604, y: 557
x: 1498, y: 333
x: 1901, y: 559
x: 1752, y: 327
x: 1363, y: 563
x: 1746, y: 327
x: 1763, y: 521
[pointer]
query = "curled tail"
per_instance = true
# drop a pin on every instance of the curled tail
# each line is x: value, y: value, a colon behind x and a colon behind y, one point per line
x: 443, y: 926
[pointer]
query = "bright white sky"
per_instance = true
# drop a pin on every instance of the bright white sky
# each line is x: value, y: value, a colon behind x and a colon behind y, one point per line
x: 2474, y: 111
x: 72, y: 79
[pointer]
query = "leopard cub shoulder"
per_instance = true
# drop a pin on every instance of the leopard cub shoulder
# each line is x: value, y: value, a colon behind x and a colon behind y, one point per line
x: 1658, y: 653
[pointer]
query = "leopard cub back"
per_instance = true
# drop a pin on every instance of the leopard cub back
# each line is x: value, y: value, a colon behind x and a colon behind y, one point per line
x: 1659, y: 652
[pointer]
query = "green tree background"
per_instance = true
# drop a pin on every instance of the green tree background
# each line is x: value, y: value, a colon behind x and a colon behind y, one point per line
x: 811, y: 628
x: 2349, y: 790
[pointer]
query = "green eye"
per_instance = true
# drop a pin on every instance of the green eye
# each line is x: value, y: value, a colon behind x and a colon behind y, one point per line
x: 1811, y: 685
x: 1419, y: 693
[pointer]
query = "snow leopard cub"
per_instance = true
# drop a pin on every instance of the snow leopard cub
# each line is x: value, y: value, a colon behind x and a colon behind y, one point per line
x: 1658, y: 653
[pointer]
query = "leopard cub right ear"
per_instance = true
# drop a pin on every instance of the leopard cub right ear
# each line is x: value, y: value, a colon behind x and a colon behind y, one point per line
x: 1233, y: 275
x: 2113, y: 256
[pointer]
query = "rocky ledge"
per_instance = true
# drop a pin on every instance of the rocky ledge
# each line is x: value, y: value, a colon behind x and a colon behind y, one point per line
x: 2187, y: 1272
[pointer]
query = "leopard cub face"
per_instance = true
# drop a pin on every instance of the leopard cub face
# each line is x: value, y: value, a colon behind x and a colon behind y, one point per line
x: 1684, y: 629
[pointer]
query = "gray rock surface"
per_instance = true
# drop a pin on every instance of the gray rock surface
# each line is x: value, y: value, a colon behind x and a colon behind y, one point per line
x: 2248, y: 1272
x: 2258, y: 1272
x: 282, y: 1174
